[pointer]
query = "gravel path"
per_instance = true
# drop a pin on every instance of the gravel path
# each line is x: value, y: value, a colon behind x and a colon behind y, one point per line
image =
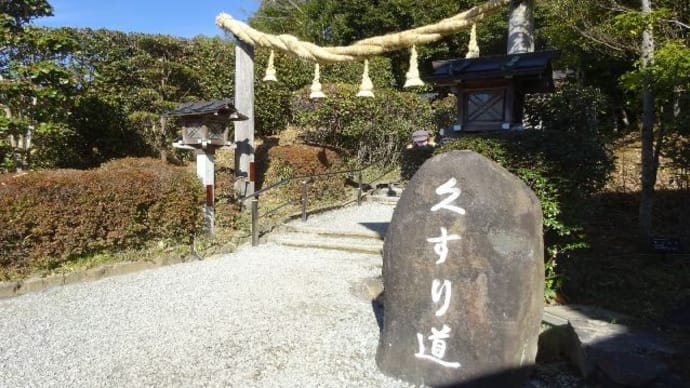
x: 368, y: 217
x: 268, y: 316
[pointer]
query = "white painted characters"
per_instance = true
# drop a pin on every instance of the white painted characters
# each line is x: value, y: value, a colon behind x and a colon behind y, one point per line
x: 438, y: 347
x: 448, y: 188
x: 438, y: 290
x: 441, y: 246
x: 441, y: 291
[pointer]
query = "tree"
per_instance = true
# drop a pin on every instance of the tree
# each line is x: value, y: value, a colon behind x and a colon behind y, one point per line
x: 610, y: 31
x: 130, y: 80
x: 650, y: 159
x: 34, y: 84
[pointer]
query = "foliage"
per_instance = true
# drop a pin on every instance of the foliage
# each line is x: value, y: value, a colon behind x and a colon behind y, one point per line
x: 445, y: 111
x: 106, y: 90
x: 273, y: 111
x: 614, y: 274
x: 555, y: 111
x: 14, y: 15
x: 371, y: 129
x: 212, y: 61
x: 298, y: 160
x: 35, y: 86
x: 412, y: 158
x: 140, y: 76
x: 602, y: 41
x: 625, y: 36
x: 50, y: 217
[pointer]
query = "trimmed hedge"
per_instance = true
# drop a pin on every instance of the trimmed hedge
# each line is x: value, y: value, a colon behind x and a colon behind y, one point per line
x: 372, y: 129
x: 50, y: 217
x: 296, y: 160
x: 272, y: 110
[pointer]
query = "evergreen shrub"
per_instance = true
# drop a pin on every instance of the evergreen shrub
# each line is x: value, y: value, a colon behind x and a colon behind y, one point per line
x: 571, y: 108
x: 369, y: 129
x: 50, y: 217
x: 299, y: 160
x: 272, y: 110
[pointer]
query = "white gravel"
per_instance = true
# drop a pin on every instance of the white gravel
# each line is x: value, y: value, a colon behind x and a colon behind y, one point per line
x: 370, y: 216
x: 268, y: 316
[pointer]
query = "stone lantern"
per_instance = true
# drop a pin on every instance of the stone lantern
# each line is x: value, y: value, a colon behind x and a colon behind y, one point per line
x: 205, y: 129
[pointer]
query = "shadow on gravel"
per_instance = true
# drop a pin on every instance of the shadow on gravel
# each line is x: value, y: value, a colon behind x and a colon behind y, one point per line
x: 378, y: 227
x: 377, y: 307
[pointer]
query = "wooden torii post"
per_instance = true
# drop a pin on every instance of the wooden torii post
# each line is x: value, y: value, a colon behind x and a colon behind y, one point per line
x: 244, y: 130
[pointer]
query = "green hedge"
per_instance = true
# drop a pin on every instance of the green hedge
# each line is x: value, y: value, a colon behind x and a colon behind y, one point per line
x: 273, y: 111
x: 50, y: 217
x: 371, y: 129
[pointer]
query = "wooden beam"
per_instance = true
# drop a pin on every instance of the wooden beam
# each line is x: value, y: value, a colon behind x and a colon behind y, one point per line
x: 244, y: 130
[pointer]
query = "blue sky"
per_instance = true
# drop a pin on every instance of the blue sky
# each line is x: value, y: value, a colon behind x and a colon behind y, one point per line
x: 180, y: 18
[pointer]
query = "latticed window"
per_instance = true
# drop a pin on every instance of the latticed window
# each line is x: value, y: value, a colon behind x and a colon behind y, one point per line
x: 485, y: 106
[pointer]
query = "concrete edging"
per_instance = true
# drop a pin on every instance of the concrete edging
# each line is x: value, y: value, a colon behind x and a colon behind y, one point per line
x: 14, y: 288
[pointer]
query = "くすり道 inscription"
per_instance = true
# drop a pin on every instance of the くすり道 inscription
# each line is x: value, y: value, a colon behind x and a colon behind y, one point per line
x: 463, y: 276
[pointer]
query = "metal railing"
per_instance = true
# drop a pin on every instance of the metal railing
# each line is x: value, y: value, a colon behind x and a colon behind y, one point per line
x: 303, y: 200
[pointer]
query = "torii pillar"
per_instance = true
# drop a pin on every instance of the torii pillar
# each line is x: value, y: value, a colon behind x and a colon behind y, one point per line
x: 521, y: 27
x: 244, y: 130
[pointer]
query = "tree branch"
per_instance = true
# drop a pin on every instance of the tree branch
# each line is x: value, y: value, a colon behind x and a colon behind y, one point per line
x: 597, y: 40
x: 677, y: 22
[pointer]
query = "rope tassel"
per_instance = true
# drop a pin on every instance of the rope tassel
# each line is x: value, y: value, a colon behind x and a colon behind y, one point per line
x: 473, y: 47
x: 270, y: 68
x: 412, y: 76
x: 366, y: 87
x: 316, y: 85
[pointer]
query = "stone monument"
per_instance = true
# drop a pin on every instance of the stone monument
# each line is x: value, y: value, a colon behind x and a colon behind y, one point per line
x: 463, y: 276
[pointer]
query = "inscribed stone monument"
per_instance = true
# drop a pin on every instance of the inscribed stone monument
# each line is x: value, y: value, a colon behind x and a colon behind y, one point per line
x: 463, y: 276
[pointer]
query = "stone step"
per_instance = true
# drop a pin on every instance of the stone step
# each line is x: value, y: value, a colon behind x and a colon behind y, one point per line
x: 388, y: 194
x: 383, y: 199
x: 351, y: 234
x: 331, y: 242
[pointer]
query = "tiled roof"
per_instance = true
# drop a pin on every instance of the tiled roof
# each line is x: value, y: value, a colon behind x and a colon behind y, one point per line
x: 206, y: 107
x: 492, y: 66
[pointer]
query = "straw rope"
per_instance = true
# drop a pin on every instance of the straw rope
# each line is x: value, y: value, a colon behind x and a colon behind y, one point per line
x: 364, y: 48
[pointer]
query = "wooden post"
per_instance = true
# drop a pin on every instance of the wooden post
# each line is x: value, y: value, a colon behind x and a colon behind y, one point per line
x: 521, y: 27
x: 244, y: 130
x: 205, y: 172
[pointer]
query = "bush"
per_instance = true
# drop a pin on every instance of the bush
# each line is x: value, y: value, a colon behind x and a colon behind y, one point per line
x: 273, y: 98
x: 556, y: 111
x: 445, y: 111
x: 50, y: 217
x: 297, y: 160
x: 371, y: 129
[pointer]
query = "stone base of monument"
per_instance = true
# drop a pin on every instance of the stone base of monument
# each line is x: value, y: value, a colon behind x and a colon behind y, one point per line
x: 608, y: 352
